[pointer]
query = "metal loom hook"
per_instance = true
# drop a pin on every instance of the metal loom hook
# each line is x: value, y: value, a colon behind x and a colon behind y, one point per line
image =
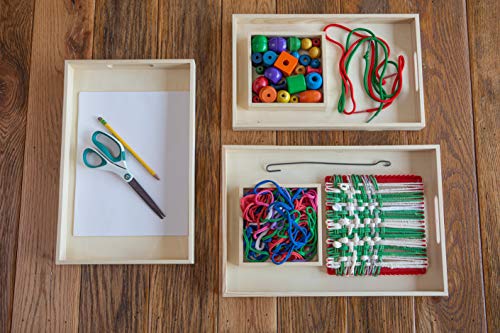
x: 384, y: 163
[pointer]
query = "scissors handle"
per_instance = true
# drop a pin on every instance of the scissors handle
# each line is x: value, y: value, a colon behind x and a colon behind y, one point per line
x: 94, y: 159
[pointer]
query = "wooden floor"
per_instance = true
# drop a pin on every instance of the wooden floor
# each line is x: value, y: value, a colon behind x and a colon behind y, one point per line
x: 460, y: 41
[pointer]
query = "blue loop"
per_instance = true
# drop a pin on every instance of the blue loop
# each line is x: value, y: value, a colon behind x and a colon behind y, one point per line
x: 314, y: 81
x: 304, y: 60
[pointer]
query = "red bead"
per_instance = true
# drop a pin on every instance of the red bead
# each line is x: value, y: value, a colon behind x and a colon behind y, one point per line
x: 316, y: 42
x: 255, y: 99
x: 314, y: 70
x: 259, y: 83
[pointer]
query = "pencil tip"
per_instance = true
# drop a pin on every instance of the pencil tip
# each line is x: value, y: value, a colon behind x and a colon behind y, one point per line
x: 99, y: 118
x: 156, y: 176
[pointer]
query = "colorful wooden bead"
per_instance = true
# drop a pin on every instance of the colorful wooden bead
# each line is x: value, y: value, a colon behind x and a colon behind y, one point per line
x: 296, y: 83
x: 294, y: 99
x: 277, y: 44
x: 259, y: 70
x: 273, y: 74
x: 310, y: 96
x: 259, y: 83
x: 280, y: 85
x: 295, y: 54
x: 267, y: 94
x: 259, y: 43
x: 283, y: 96
x: 315, y: 63
x: 269, y: 58
x: 256, y: 58
x: 314, y: 52
x: 304, y: 60
x: 293, y: 43
x: 255, y: 99
x: 306, y: 43
x: 286, y: 63
x: 310, y: 69
x: 314, y: 81
x: 316, y: 42
x: 300, y: 70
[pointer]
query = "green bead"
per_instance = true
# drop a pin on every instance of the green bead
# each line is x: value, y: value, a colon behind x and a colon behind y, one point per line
x: 293, y: 44
x: 259, y: 69
x: 259, y: 43
x: 296, y: 83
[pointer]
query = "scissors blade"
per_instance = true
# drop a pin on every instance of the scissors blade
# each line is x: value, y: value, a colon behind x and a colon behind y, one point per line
x: 145, y: 196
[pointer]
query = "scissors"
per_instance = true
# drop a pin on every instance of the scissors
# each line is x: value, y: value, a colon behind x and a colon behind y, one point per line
x: 110, y: 156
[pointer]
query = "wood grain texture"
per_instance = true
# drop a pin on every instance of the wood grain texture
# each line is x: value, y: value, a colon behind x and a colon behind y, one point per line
x: 116, y: 298
x: 236, y: 314
x: 46, y: 296
x: 311, y: 314
x: 15, y: 48
x: 397, y: 312
x: 185, y: 298
x: 450, y: 123
x: 482, y: 18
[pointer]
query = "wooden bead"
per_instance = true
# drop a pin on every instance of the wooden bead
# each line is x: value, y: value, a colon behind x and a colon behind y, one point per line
x: 293, y: 43
x: 306, y: 43
x: 310, y: 96
x: 316, y: 42
x: 300, y: 70
x: 259, y: 83
x: 294, y: 99
x: 259, y: 43
x: 268, y: 94
x: 314, y: 52
x: 296, y: 83
x: 283, y: 96
x: 286, y: 63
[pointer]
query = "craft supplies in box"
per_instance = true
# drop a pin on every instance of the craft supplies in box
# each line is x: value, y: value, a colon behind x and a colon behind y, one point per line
x: 369, y: 75
x: 286, y: 69
x: 281, y: 224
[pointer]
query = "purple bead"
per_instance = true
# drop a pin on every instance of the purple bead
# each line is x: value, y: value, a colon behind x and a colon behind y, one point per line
x: 273, y: 74
x: 277, y: 44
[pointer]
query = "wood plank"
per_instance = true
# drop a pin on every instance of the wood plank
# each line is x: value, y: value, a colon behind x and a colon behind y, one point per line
x: 483, y: 43
x: 116, y: 298
x: 16, y: 21
x: 46, y: 296
x: 185, y: 298
x: 242, y: 314
x: 450, y: 123
x: 392, y: 313
x: 314, y: 314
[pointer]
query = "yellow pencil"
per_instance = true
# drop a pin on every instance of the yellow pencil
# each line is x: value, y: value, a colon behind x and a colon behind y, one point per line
x: 137, y: 157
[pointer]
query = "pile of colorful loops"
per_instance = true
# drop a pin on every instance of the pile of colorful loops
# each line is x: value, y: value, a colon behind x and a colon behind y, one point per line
x: 374, y: 77
x: 286, y: 69
x: 279, y: 224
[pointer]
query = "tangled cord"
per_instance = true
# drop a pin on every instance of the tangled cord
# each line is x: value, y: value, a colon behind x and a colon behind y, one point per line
x: 279, y: 224
x: 374, y: 77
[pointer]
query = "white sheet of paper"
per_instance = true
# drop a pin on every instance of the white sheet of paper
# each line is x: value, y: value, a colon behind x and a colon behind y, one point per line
x: 156, y: 126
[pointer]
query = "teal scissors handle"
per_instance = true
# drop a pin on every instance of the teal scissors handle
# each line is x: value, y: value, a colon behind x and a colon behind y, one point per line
x: 109, y: 155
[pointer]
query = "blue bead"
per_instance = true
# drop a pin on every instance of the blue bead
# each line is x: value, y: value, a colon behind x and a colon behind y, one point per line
x: 305, y: 60
x: 314, y: 81
x: 269, y: 58
x: 315, y: 63
x: 296, y: 54
x: 256, y: 58
x: 280, y: 85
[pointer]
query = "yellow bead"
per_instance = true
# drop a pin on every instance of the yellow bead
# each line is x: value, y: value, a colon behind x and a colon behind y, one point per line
x: 294, y: 99
x: 314, y: 52
x: 283, y: 96
x: 306, y: 43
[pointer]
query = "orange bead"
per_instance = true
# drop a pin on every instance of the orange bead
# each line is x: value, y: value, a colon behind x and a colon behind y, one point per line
x: 286, y: 63
x: 310, y: 96
x: 268, y: 94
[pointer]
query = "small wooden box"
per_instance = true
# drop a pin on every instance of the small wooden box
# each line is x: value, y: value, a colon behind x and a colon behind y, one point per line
x: 318, y: 260
x: 401, y: 31
x: 243, y: 165
x: 111, y: 76
x: 289, y: 106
